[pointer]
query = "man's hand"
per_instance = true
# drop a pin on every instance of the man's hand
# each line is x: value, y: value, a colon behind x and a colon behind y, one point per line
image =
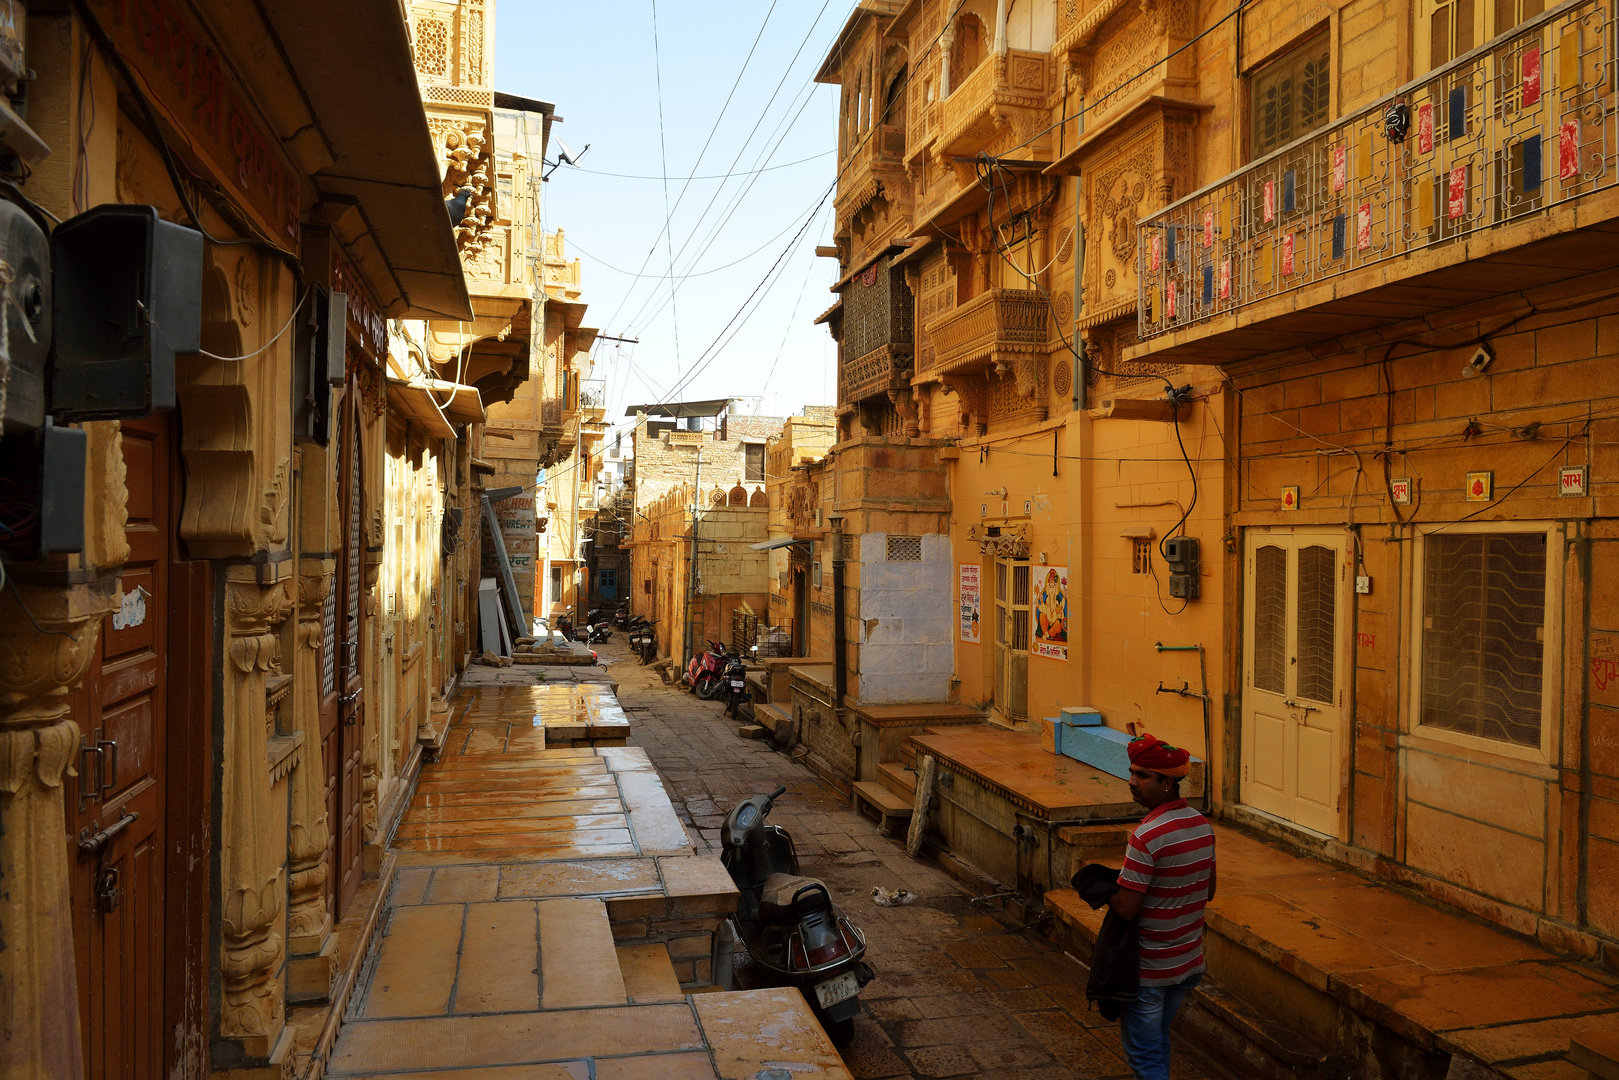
x: 1126, y: 903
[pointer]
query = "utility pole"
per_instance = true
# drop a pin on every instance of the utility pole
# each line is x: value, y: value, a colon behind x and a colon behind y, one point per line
x: 691, y: 574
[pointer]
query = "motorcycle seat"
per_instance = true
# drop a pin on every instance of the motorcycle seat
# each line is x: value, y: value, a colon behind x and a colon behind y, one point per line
x: 776, y: 895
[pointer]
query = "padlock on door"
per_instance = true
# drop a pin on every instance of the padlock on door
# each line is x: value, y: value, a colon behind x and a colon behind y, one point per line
x: 108, y: 892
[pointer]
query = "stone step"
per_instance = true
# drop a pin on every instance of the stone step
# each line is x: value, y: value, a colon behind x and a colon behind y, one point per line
x: 753, y: 731
x: 697, y: 894
x: 774, y: 717
x: 759, y: 1033
x: 898, y: 779
x: 578, y: 957
x: 1597, y: 1052
x: 889, y: 806
x: 1248, y: 1042
x: 907, y: 755
x: 649, y: 974
x: 759, y: 686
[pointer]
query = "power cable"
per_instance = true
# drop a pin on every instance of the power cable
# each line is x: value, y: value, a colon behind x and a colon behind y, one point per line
x: 663, y: 147
x: 713, y: 176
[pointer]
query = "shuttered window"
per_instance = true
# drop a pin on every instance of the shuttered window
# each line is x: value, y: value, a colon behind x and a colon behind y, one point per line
x: 1483, y: 635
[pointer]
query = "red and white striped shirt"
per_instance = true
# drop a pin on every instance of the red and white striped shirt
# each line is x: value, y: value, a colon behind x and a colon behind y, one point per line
x: 1170, y: 858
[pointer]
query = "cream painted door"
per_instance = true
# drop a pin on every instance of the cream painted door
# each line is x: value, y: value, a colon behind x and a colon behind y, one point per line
x: 1012, y: 616
x: 1292, y: 715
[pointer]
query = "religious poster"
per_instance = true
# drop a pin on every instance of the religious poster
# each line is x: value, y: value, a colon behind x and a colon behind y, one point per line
x: 1050, y: 612
x: 969, y: 602
x: 1340, y: 166
x: 1424, y: 128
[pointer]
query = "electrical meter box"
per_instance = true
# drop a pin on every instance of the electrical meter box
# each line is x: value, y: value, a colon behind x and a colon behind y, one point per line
x: 128, y: 297
x: 1180, y: 552
x: 1183, y: 586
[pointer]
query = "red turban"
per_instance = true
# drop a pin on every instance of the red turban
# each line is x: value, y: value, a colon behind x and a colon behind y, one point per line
x: 1153, y: 754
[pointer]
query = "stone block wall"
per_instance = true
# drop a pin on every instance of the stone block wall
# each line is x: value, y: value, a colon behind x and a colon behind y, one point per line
x: 906, y: 618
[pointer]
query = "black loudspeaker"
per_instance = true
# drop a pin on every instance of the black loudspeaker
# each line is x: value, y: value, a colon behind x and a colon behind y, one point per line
x: 318, y: 363
x: 25, y: 295
x: 128, y: 297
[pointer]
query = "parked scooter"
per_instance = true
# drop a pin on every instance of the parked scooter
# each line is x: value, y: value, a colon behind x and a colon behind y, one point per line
x: 621, y: 617
x: 643, y: 639
x: 704, y: 671
x: 738, y: 700
x: 790, y: 924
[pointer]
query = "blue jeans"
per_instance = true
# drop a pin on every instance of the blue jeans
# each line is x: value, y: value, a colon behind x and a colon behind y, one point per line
x: 1144, y: 1027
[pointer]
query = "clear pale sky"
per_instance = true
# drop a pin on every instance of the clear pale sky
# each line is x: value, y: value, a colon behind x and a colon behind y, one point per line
x: 595, y: 61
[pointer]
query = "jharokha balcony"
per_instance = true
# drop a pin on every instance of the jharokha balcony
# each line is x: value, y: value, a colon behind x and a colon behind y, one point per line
x: 1494, y: 174
x: 996, y: 329
x: 1011, y: 89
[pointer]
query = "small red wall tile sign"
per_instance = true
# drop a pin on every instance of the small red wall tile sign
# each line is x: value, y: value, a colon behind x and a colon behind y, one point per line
x: 1208, y: 228
x: 1424, y: 128
x: 1571, y: 480
x: 1480, y: 486
x: 1400, y: 490
x: 1458, y: 192
x: 1340, y: 166
x: 1290, y: 498
x: 1568, y: 150
x: 1531, y: 75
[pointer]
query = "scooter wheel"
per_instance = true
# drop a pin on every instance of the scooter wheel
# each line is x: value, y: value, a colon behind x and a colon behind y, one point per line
x: 708, y: 687
x: 841, y: 1032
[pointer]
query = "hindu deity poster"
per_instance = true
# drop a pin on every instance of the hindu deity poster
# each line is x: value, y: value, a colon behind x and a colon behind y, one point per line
x: 1051, y: 612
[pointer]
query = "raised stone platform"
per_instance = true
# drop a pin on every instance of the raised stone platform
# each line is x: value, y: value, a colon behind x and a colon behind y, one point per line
x: 991, y: 781
x: 1383, y: 983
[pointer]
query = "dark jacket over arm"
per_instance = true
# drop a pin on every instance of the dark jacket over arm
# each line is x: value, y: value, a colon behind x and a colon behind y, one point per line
x: 1116, y: 963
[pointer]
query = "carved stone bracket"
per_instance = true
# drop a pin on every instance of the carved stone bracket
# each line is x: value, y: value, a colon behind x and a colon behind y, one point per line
x: 308, y: 833
x: 1011, y: 543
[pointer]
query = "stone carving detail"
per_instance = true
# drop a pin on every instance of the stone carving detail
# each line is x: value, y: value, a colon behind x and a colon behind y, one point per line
x: 431, y: 47
x: 308, y: 919
x: 250, y: 859
x: 1012, y: 543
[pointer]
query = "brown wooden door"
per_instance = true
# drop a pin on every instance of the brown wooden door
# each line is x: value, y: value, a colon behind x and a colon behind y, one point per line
x: 343, y: 726
x: 116, y: 806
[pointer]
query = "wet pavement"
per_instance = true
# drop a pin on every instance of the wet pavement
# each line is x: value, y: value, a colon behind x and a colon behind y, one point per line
x: 549, y: 919
x: 959, y: 992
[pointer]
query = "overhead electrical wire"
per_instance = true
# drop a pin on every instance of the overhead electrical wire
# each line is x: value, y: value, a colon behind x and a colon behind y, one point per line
x: 663, y: 148
x: 713, y: 176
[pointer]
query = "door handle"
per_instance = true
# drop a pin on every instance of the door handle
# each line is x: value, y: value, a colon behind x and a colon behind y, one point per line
x: 88, y: 792
x: 107, y: 785
x: 1306, y: 709
x: 89, y: 842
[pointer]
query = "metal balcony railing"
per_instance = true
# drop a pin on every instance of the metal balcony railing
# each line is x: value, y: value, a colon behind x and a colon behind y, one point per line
x: 1521, y: 124
x: 773, y: 639
x: 593, y: 395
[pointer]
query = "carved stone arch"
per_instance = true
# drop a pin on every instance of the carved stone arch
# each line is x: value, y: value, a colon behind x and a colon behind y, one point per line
x: 738, y: 496
x: 718, y: 497
x: 759, y: 498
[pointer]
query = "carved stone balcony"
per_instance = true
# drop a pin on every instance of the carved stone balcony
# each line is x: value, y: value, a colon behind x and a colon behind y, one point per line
x: 1498, y: 173
x: 1003, y: 91
x: 993, y: 329
x: 885, y: 368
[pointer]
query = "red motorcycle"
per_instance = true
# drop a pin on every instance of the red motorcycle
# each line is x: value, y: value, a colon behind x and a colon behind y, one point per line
x: 705, y: 673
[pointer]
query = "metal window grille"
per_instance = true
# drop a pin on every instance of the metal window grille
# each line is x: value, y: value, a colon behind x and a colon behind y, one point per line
x: 1141, y: 556
x: 1316, y: 612
x: 1270, y: 620
x: 1483, y: 631
x: 1290, y: 96
x: 772, y: 639
x: 904, y: 549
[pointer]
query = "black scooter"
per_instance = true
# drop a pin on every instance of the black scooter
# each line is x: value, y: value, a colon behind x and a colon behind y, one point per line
x: 643, y: 640
x: 790, y: 924
x: 738, y: 701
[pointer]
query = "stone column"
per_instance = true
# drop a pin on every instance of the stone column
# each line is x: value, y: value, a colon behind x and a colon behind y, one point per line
x: 251, y: 860
x: 1000, y: 28
x: 947, y: 42
x: 39, y: 742
x: 310, y: 941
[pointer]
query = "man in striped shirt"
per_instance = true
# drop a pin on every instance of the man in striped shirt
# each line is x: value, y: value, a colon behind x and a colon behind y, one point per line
x: 1167, y: 880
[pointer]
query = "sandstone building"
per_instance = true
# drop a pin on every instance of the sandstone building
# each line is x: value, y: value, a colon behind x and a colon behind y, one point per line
x: 224, y: 665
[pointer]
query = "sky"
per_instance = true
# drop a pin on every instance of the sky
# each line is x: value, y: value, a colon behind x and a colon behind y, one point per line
x: 601, y: 64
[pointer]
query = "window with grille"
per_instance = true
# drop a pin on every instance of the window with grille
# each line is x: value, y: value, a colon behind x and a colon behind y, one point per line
x: 1270, y: 619
x: 1141, y: 556
x: 754, y: 463
x: 1483, y: 635
x: 1316, y: 614
x: 904, y: 549
x: 1291, y: 96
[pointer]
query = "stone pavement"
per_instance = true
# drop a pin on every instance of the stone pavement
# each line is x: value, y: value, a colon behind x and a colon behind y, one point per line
x: 958, y: 992
x: 550, y: 921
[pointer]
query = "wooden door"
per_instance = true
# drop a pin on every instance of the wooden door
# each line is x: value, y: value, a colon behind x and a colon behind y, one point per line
x: 342, y: 724
x: 1294, y: 614
x: 1012, y: 638
x: 116, y: 807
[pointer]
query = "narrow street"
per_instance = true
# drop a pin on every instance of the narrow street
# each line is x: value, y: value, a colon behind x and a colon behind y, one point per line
x: 959, y: 992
